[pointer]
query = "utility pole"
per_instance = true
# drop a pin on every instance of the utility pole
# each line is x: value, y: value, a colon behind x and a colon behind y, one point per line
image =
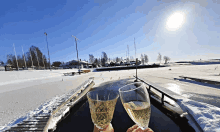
x: 135, y: 47
x: 128, y: 54
x: 126, y: 57
x: 31, y: 59
x: 48, y: 49
x: 77, y: 51
x: 24, y: 57
x: 16, y: 57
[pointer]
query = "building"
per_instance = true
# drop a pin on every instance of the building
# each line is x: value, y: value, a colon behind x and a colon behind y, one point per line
x: 74, y: 64
x: 2, y: 67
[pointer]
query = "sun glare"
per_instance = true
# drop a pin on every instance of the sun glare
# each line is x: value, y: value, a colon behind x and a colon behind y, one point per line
x: 175, y: 21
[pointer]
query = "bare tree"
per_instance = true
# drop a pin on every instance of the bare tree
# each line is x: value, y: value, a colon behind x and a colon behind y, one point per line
x: 96, y: 62
x: 166, y: 59
x: 91, y: 58
x: 117, y: 59
x: 146, y: 58
x: 1, y: 62
x: 99, y: 61
x: 159, y: 57
x: 30, y: 55
x: 142, y: 59
x: 10, y: 58
x: 131, y: 58
x: 104, y: 58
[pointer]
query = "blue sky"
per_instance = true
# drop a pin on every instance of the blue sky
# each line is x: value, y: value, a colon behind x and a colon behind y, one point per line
x: 110, y: 26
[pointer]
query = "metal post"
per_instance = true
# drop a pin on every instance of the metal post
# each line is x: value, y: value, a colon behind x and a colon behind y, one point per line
x: 136, y: 69
x: 24, y: 57
x: 48, y: 50
x: 16, y: 57
x: 128, y: 54
x: 77, y: 52
x: 135, y: 47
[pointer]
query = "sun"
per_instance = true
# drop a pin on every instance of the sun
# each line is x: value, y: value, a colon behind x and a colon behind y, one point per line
x: 175, y: 21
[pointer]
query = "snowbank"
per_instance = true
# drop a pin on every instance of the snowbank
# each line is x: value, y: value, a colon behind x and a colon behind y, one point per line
x: 206, y: 115
x: 46, y: 108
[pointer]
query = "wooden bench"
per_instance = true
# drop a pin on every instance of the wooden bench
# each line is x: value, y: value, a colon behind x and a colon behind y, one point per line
x: 201, y: 80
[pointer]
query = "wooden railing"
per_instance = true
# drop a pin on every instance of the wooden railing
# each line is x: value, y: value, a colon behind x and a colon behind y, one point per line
x: 157, y: 88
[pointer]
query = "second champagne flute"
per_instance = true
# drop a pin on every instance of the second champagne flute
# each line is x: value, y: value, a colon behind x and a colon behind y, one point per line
x: 136, y: 102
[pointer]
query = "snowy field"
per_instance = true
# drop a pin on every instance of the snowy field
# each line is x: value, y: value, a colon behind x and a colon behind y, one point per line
x: 21, y: 92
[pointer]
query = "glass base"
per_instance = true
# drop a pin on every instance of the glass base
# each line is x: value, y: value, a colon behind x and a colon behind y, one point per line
x: 143, y: 128
x: 101, y: 127
x: 108, y: 128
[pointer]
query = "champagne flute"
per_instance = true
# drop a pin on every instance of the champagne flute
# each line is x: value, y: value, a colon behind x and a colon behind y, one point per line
x: 102, y: 105
x: 136, y: 102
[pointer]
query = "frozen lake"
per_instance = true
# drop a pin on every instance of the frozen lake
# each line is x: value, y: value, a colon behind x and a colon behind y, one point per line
x: 24, y: 91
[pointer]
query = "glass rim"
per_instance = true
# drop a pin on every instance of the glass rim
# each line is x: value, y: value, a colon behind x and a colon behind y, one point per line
x: 117, y: 95
x: 120, y: 89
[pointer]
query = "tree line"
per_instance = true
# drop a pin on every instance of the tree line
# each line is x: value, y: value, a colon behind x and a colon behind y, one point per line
x: 34, y: 57
x: 165, y: 58
x: 104, y: 58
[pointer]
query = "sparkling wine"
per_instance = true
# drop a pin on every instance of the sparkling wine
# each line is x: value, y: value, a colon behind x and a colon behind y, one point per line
x: 139, y: 112
x: 102, y: 112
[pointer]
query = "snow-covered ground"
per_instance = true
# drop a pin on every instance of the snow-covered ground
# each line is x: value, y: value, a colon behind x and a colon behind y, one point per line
x: 21, y: 92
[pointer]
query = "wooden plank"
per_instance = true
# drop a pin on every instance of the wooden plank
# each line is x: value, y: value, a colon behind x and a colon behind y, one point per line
x: 201, y: 80
x: 76, y: 97
x: 36, y: 121
x: 26, y: 129
x: 28, y: 126
x: 31, y: 122
x: 40, y: 117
